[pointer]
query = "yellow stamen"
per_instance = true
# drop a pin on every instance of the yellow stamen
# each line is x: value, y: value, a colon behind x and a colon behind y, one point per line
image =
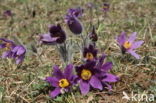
x: 127, y: 45
x: 63, y: 83
x: 86, y: 74
x: 89, y: 56
x: 105, y: 6
x: 8, y: 46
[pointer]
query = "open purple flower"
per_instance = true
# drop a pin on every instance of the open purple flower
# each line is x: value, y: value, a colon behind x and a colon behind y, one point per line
x: 8, y: 46
x: 77, y: 12
x: 106, y: 7
x: 56, y: 35
x: 11, y: 50
x: 129, y: 44
x: 19, y: 53
x: 93, y: 36
x: 74, y: 24
x: 88, y: 76
x: 61, y: 81
x: 90, y: 53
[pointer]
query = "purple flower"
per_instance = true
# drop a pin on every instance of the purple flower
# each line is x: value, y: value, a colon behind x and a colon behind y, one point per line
x: 93, y: 36
x: 19, y: 53
x: 90, y: 53
x: 8, y: 46
x: 74, y: 24
x: 106, y: 7
x: 12, y: 50
x: 61, y: 81
x: 77, y: 12
x: 129, y: 44
x: 56, y: 35
x: 7, y: 13
x: 88, y: 76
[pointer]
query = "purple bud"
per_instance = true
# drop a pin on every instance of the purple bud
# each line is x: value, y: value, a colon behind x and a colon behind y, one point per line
x: 74, y: 24
x: 93, y: 36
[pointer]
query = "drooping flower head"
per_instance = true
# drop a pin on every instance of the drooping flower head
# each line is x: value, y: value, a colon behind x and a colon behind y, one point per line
x: 57, y: 32
x: 77, y: 12
x: 88, y: 76
x: 90, y: 52
x: 106, y: 7
x: 61, y: 81
x: 19, y: 53
x: 74, y: 24
x: 93, y: 36
x: 56, y: 35
x: 7, y: 46
x: 129, y: 45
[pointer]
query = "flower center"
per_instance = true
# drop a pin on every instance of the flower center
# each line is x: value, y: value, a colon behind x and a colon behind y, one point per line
x: 8, y: 46
x: 86, y: 74
x: 63, y: 83
x: 105, y: 6
x: 89, y: 56
x: 127, y: 45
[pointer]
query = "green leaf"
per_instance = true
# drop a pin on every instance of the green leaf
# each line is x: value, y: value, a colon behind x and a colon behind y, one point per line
x: 59, y: 99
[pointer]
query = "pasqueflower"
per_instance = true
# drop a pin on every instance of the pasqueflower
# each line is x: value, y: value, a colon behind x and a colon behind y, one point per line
x: 128, y: 45
x: 7, y: 46
x: 61, y: 81
x: 88, y: 77
x: 56, y: 35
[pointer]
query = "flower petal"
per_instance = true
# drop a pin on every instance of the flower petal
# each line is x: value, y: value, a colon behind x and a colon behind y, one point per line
x: 55, y: 92
x: 77, y: 12
x: 132, y: 52
x: 20, y: 59
x: 53, y: 81
x: 47, y: 39
x: 132, y: 37
x: 110, y: 78
x: 95, y: 83
x: 21, y: 50
x: 15, y: 49
x: 84, y: 87
x: 6, y: 40
x: 74, y: 79
x: 90, y: 64
x: 137, y: 44
x: 100, y: 61
x: 121, y: 38
x: 68, y: 71
x: 107, y: 66
x: 6, y: 54
x: 57, y: 72
x: 2, y: 46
